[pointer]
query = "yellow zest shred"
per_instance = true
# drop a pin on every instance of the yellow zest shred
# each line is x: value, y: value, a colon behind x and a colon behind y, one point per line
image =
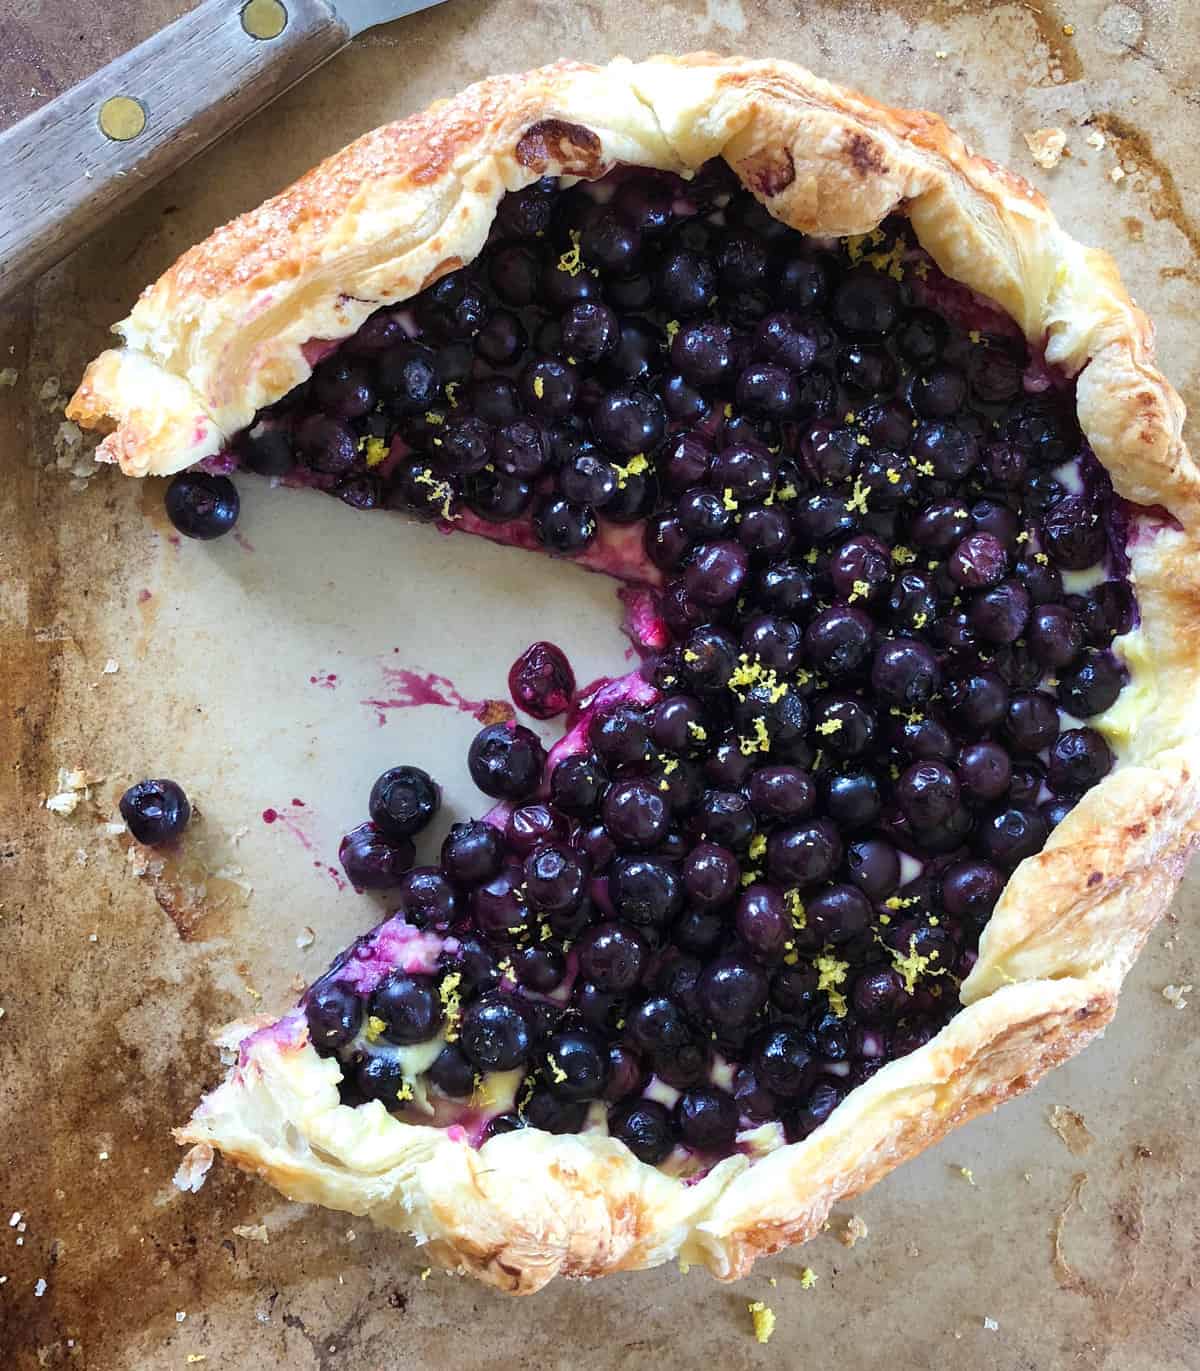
x: 763, y: 1319
x: 375, y: 448
x: 451, y: 1003
x: 831, y: 974
x: 758, y: 845
x: 572, y: 262
x: 375, y: 1028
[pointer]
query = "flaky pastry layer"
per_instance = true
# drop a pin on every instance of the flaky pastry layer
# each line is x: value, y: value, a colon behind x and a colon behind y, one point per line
x: 223, y: 332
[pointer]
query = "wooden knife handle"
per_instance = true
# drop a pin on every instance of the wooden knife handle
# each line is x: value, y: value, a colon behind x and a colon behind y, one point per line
x: 64, y: 175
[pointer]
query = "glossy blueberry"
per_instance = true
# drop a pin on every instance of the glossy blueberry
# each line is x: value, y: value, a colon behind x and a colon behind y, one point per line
x: 645, y: 891
x: 577, y: 784
x: 971, y: 888
x: 731, y: 991
x: 928, y: 793
x: 804, y: 854
x: 202, y: 506
x: 471, y: 852
x: 452, y: 1073
x: 564, y: 527
x: 1090, y: 686
x: 874, y: 867
x: 628, y: 422
x: 644, y: 1126
x: 506, y: 761
x: 853, y: 799
x: 1079, y: 759
x: 839, y: 641
x: 409, y: 1007
x: 866, y: 303
x: 905, y: 672
x: 494, y: 1034
x: 686, y: 284
x: 984, y: 770
x: 333, y: 1011
x: 373, y: 861
x: 403, y: 801
x: 1010, y: 835
x: 635, y: 814
x: 155, y: 811
x: 706, y: 1118
x: 837, y: 913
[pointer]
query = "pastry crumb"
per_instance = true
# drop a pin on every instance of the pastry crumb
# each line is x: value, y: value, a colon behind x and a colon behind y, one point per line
x: 194, y: 1168
x: 854, y: 1230
x: 252, y: 1232
x: 1046, y: 146
x: 8, y: 378
x: 305, y: 938
x: 763, y: 1319
x: 808, y: 1278
x: 1096, y: 140
x: 967, y: 1174
x: 1174, y: 995
x: 40, y: 1288
x: 1117, y: 174
x: 111, y: 667
x: 425, y: 1275
x: 180, y: 1315
x: 1070, y: 1127
x: 990, y: 1324
x: 194, y: 1357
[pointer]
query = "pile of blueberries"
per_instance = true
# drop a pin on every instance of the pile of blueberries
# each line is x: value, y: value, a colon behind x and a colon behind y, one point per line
x: 759, y: 889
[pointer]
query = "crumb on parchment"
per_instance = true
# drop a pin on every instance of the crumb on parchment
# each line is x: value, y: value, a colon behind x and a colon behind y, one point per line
x: 1046, y: 146
x: 1174, y: 995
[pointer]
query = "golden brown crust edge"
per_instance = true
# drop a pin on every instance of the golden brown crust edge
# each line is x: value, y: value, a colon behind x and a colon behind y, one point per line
x: 222, y: 333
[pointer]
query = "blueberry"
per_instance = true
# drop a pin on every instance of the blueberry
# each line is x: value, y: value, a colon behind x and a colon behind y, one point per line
x: 427, y: 898
x: 564, y: 527
x: 644, y: 1126
x: 494, y: 1034
x: 611, y: 243
x: 342, y: 387
x: 324, y: 444
x: 452, y: 307
x: 452, y: 1073
x: 620, y: 737
x: 703, y: 353
x: 804, y: 854
x: 403, y: 801
x: 839, y: 641
x: 575, y: 1065
x: 541, y: 681
x: 334, y: 1013
x: 381, y: 1077
x: 373, y: 861
x: 506, y: 761
x: 971, y: 888
x: 514, y: 271
x: 577, y: 784
x: 768, y: 390
x: 409, y: 1007
x: 731, y: 991
x: 877, y: 994
x: 1031, y: 720
x: 1074, y: 534
x: 706, y: 1118
x: 905, y: 672
x: 628, y: 422
x: 874, y: 867
x: 635, y: 814
x: 645, y: 891
x: 267, y: 450
x: 498, y: 496
x: 556, y: 878
x: 984, y: 770
x: 1090, y: 686
x: 1079, y: 759
x: 866, y: 303
x: 837, y: 913
x: 1010, y: 835
x: 1055, y: 635
x: 471, y: 852
x: 928, y: 793
x: 853, y: 799
x: 202, y: 506
x: 686, y: 284
x: 155, y: 811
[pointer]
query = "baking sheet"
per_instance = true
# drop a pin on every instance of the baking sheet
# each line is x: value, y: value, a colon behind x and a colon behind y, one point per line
x: 247, y: 669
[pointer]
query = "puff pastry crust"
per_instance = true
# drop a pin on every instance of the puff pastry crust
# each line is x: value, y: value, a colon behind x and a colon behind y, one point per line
x: 229, y: 328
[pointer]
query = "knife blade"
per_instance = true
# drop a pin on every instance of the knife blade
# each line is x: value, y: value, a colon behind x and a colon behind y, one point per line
x: 79, y: 160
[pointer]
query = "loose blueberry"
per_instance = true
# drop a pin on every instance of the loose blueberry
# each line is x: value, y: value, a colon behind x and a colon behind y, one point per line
x: 202, y: 506
x: 155, y: 811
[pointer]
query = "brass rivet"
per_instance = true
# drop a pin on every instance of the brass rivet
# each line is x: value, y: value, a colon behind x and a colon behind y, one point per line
x: 264, y: 18
x: 122, y: 118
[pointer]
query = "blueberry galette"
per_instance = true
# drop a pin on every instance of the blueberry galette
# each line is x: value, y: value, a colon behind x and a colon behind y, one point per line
x: 909, y: 530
